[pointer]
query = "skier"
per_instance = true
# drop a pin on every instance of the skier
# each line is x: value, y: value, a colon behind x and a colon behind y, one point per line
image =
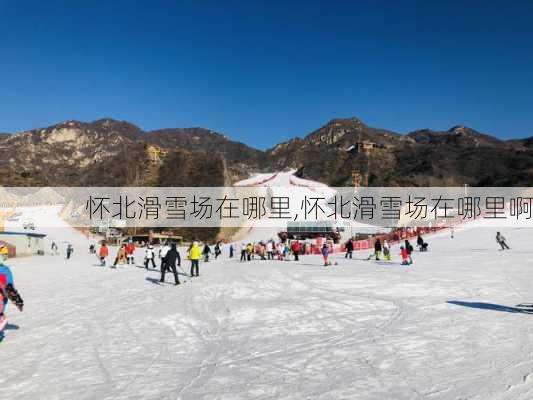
x: 162, y: 253
x: 406, y: 259
x: 420, y: 243
x: 249, y: 251
x: 130, y: 250
x: 243, y: 251
x: 349, y: 248
x: 7, y: 292
x: 295, y: 247
x: 501, y: 241
x: 386, y: 250
x: 206, y: 252
x: 103, y: 253
x: 325, y: 254
x: 149, y: 256
x: 91, y: 249
x: 280, y: 250
x: 121, y: 256
x: 409, y: 249
x: 69, y: 251
x: 169, y: 263
x: 270, y: 250
x: 4, y: 252
x: 286, y: 251
x: 194, y: 255
x: 377, y: 250
x: 54, y: 249
x: 218, y: 249
x: 231, y: 250
x: 261, y: 250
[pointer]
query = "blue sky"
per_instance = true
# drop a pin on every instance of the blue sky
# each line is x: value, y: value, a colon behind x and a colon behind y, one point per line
x: 265, y: 71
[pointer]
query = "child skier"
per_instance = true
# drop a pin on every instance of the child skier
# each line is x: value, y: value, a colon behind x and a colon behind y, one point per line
x: 103, y: 253
x: 130, y: 250
x: 406, y: 260
x: 149, y: 256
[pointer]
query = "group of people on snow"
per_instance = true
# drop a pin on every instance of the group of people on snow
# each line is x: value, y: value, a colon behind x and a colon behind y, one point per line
x: 168, y: 254
x: 264, y: 250
x: 406, y: 250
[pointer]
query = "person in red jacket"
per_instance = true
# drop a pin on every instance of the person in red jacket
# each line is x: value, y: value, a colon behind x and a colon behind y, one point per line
x: 130, y: 250
x: 295, y: 248
x: 406, y: 260
x: 103, y: 253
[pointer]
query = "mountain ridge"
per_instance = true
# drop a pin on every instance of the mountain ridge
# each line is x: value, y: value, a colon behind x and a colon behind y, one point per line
x: 90, y: 153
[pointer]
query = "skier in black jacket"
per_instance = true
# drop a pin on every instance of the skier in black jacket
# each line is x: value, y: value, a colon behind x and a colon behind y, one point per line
x: 206, y: 252
x: 170, y: 259
x: 349, y: 248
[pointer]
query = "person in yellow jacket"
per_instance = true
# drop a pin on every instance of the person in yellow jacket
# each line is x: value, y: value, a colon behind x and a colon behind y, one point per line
x: 194, y: 255
x: 249, y: 251
x: 4, y: 252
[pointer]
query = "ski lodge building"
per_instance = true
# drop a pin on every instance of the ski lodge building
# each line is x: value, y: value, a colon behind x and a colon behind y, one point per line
x: 23, y: 243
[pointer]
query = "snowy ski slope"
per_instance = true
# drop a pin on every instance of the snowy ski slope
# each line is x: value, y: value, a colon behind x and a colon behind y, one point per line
x: 300, y: 189
x: 445, y: 328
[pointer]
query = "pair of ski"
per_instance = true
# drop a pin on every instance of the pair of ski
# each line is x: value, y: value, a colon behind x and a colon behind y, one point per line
x: 526, y: 307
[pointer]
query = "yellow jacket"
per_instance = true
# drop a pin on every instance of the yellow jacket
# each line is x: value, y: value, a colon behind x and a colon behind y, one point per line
x: 195, y: 253
x: 4, y: 251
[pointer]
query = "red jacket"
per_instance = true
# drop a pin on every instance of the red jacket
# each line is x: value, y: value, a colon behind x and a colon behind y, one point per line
x: 404, y: 254
x: 130, y: 249
x: 104, y: 252
x: 295, y: 246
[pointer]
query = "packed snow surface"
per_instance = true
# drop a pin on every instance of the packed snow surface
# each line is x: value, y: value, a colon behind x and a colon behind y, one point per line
x: 444, y: 328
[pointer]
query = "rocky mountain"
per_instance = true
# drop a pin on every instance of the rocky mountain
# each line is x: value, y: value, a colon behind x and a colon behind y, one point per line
x: 342, y: 152
x: 348, y: 152
x: 115, y: 153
